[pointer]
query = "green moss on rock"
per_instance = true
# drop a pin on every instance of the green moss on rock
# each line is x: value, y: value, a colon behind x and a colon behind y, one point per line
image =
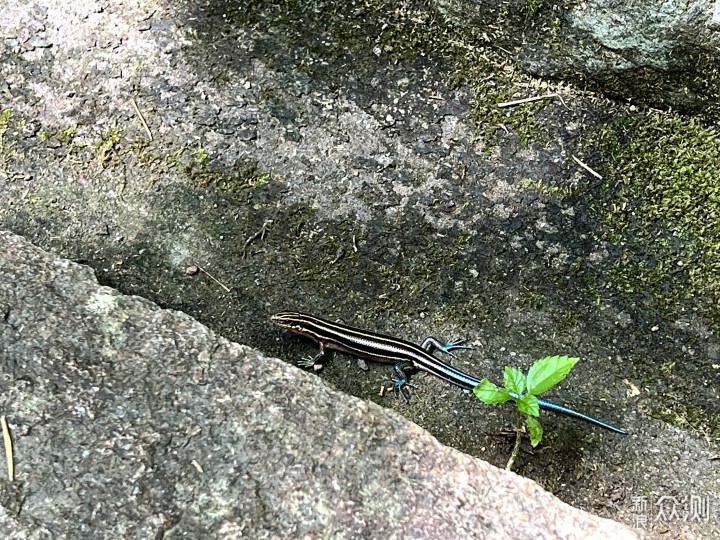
x: 660, y: 200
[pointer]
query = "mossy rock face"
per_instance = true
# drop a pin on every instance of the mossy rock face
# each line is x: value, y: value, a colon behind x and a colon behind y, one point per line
x: 659, y: 54
x: 660, y: 201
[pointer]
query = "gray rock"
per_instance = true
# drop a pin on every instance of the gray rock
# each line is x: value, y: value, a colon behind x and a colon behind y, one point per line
x: 713, y: 351
x: 129, y: 420
x: 661, y: 53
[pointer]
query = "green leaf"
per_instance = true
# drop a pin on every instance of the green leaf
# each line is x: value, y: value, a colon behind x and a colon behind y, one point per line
x: 514, y: 380
x: 547, y: 372
x: 536, y: 430
x: 490, y: 393
x: 529, y: 405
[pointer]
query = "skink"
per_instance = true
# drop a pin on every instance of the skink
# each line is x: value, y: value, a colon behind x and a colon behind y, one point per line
x: 388, y: 349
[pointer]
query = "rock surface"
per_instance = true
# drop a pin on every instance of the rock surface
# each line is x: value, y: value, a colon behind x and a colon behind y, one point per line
x: 660, y: 53
x: 303, y: 167
x: 132, y: 421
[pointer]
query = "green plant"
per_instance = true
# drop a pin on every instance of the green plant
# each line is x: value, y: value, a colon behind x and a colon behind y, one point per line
x: 523, y: 390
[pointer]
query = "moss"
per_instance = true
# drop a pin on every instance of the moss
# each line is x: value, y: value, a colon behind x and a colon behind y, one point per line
x: 106, y: 147
x: 547, y: 189
x: 199, y: 157
x: 400, y: 32
x: 8, y: 122
x: 660, y: 201
x: 535, y: 5
x: 495, y: 80
x: 10, y: 127
x: 666, y: 368
x: 462, y: 240
x: 569, y: 319
x: 167, y: 161
x: 678, y: 411
x: 66, y: 136
x: 6, y: 117
x: 531, y: 299
x: 228, y: 182
x: 370, y: 32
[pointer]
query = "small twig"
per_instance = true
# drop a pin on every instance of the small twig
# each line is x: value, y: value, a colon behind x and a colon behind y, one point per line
x: 8, y: 449
x: 587, y: 168
x: 260, y: 234
x: 528, y: 100
x: 227, y: 289
x: 518, y: 439
x: 142, y: 118
x: 562, y: 101
x: 339, y: 254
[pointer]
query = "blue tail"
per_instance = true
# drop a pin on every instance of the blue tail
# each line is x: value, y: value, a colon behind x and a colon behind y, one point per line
x: 549, y: 406
x: 554, y: 407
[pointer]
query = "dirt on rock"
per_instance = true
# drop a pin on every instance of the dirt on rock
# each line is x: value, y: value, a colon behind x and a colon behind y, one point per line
x: 311, y: 159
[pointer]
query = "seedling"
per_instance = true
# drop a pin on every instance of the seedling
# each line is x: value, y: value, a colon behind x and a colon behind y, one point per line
x: 523, y: 390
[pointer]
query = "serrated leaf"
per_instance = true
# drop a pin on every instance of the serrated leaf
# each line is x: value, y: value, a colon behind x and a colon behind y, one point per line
x: 529, y: 405
x: 490, y: 393
x: 514, y: 380
x: 535, y: 429
x: 547, y: 372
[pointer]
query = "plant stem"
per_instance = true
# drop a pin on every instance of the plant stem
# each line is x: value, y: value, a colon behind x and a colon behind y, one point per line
x: 518, y: 438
